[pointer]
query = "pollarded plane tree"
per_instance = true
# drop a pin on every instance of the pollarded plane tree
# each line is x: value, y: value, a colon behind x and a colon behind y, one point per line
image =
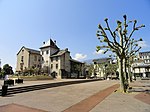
x: 119, y: 42
x: 133, y: 48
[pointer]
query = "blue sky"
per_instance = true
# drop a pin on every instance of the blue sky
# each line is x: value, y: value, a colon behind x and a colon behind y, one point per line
x: 72, y: 23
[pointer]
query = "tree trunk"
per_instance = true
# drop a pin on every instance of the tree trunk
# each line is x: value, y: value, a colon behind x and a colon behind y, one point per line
x: 121, y: 75
x: 129, y: 74
x: 125, y: 69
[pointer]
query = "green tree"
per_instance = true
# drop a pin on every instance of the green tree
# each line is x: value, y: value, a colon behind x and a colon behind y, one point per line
x: 7, y: 69
x: 119, y: 42
x: 101, y: 67
x: 111, y: 69
x: 91, y: 70
x: 106, y: 68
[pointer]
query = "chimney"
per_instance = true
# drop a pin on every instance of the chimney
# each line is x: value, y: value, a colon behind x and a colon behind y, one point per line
x: 66, y: 49
x: 55, y: 42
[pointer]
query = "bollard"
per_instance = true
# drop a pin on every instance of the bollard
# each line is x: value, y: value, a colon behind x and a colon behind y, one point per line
x: 4, y: 90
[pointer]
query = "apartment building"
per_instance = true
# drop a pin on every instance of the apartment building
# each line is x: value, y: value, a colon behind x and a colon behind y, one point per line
x: 141, y: 65
x: 145, y: 56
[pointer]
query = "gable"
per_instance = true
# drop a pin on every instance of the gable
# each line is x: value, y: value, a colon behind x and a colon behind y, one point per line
x: 22, y: 48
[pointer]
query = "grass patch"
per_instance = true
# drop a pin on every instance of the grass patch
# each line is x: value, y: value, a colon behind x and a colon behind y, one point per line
x: 33, y: 77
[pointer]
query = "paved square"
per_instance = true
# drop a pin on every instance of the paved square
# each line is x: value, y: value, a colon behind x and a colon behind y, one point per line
x: 18, y: 108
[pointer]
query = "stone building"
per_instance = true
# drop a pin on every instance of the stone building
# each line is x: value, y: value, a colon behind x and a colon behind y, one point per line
x: 56, y: 62
x: 60, y: 63
x: 28, y: 58
x: 47, y: 50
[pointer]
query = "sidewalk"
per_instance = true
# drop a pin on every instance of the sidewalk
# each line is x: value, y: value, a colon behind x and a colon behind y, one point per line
x: 89, y: 103
x: 86, y: 97
x: 128, y: 102
x: 30, y: 83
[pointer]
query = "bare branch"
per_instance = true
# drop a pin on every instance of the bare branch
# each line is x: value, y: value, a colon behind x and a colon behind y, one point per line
x: 112, y: 33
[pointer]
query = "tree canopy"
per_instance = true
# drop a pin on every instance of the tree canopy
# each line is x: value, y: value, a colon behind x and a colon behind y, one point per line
x: 7, y: 69
x: 121, y: 42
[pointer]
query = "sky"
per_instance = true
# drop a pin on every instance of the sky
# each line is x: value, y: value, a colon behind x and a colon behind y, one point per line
x: 72, y: 23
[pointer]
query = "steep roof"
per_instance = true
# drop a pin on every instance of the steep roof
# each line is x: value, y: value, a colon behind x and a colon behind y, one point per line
x: 59, y: 53
x: 144, y: 52
x: 75, y: 61
x: 49, y: 43
x: 33, y: 51
x: 102, y: 60
x: 29, y: 50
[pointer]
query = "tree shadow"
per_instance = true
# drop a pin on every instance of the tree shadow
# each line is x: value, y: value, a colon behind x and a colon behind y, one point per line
x: 139, y: 89
x: 10, y: 95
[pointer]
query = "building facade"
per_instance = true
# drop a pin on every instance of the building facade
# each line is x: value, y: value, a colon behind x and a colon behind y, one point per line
x: 28, y: 58
x: 55, y: 62
x: 100, y: 66
x: 60, y: 63
x: 141, y: 65
x: 145, y: 56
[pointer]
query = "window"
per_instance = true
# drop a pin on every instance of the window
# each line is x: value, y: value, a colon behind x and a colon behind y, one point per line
x: 56, y: 58
x: 51, y: 59
x: 35, y: 58
x: 22, y: 51
x: 95, y: 63
x: 51, y: 66
x: 47, y: 52
x: 22, y: 58
x: 56, y: 66
x: 39, y: 59
x: 42, y: 52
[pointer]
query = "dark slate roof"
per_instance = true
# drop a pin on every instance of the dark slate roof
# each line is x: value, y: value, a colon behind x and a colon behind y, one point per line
x: 29, y: 50
x: 59, y: 53
x: 102, y: 60
x: 142, y: 66
x: 50, y: 44
x: 145, y: 52
x: 32, y: 51
x: 75, y: 61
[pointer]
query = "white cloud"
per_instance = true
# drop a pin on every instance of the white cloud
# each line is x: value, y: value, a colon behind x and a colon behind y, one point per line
x: 142, y: 44
x: 79, y: 56
x: 99, y: 52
